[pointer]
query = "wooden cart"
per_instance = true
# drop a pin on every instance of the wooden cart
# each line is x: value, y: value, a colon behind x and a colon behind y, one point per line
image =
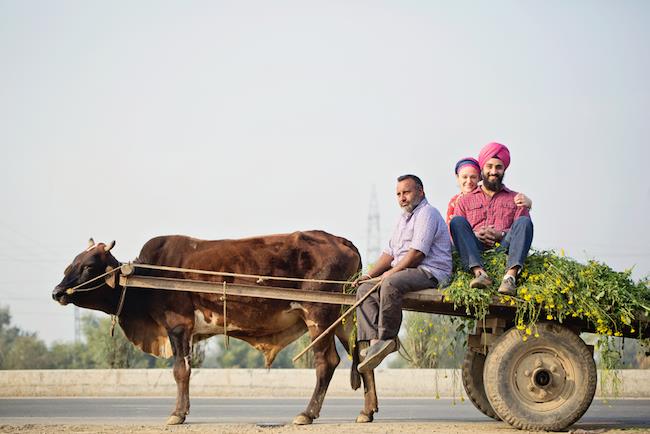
x: 542, y: 383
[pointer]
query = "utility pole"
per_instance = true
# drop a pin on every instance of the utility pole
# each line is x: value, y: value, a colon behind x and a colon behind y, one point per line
x: 373, y: 248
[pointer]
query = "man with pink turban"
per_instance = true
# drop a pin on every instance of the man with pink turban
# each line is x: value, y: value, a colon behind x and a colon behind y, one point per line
x: 488, y: 215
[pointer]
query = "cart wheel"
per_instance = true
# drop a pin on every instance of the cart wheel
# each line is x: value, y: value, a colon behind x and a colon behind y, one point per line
x: 545, y: 383
x: 473, y: 383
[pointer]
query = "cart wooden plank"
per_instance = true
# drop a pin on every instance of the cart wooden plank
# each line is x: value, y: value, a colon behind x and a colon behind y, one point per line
x: 429, y: 300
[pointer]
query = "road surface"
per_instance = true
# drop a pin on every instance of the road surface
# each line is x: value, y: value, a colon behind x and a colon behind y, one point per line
x: 25, y: 414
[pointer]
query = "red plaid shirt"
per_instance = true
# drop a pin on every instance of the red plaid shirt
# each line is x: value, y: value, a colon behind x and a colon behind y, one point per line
x: 481, y: 210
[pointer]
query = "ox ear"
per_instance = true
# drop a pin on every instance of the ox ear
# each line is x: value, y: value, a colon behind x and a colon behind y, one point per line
x: 111, y: 279
x: 91, y: 242
x: 109, y: 246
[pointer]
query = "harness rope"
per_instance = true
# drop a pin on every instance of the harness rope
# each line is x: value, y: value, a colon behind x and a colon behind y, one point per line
x: 226, y: 339
x: 259, y: 278
x: 119, y: 310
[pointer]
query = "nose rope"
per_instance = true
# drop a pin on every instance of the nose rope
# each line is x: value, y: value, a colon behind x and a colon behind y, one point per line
x: 79, y: 289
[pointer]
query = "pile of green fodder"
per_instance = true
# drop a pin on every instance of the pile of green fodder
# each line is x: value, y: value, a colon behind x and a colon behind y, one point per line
x: 556, y: 287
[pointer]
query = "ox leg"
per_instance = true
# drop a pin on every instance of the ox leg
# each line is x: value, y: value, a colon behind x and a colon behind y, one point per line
x: 180, y: 340
x: 370, y: 404
x: 326, y: 359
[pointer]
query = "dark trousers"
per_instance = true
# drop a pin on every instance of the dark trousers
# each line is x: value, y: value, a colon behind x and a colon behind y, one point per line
x: 516, y: 242
x: 380, y: 315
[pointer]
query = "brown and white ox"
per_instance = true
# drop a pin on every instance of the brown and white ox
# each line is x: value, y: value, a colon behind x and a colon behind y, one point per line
x: 166, y: 323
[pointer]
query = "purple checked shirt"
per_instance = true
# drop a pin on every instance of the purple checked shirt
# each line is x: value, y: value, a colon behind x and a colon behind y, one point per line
x: 424, y: 230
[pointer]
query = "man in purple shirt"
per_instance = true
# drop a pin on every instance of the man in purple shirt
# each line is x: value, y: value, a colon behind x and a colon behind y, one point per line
x: 418, y: 257
x: 489, y: 215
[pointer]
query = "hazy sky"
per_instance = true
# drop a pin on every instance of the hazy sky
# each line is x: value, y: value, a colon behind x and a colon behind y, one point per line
x: 126, y: 120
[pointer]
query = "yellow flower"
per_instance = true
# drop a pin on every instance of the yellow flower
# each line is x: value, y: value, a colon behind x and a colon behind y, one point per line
x: 570, y: 301
x: 536, y: 335
x: 527, y: 297
x: 549, y: 317
x: 528, y: 331
x: 520, y: 327
x: 524, y: 338
x: 632, y: 330
x: 523, y: 290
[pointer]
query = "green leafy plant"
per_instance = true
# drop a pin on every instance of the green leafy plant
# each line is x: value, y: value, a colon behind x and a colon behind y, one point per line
x: 554, y: 287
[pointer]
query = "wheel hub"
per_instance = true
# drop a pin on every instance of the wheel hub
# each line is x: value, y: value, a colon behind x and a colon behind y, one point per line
x: 540, y: 377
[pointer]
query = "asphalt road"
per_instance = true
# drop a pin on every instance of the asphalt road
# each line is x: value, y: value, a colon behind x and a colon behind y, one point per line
x: 613, y: 414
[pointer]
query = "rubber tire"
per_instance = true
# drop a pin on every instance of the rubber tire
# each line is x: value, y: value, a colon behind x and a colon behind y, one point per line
x: 504, y: 395
x: 472, y: 375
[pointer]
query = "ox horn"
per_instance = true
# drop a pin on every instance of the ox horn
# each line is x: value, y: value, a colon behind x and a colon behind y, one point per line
x: 91, y: 242
x: 109, y: 246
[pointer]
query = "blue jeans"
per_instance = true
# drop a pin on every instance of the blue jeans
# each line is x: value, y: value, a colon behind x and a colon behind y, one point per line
x: 516, y: 242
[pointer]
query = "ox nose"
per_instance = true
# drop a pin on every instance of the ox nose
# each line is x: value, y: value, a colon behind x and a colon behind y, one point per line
x: 57, y: 293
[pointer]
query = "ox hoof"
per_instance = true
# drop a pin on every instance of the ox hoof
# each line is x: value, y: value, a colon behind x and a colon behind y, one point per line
x: 302, y: 419
x: 175, y: 420
x: 364, y: 418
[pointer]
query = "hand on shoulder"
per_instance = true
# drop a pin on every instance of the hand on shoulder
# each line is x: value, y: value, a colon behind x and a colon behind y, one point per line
x: 523, y: 200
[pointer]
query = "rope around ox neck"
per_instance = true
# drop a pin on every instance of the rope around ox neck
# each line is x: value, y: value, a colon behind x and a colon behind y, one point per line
x: 79, y: 289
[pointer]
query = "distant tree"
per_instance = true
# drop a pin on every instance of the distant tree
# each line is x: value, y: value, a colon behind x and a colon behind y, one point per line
x: 106, y: 351
x: 238, y: 355
x: 7, y: 334
x: 241, y: 355
x: 432, y: 341
x: 27, y: 352
x: 70, y: 355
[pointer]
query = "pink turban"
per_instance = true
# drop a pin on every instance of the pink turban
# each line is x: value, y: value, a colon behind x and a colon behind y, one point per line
x: 494, y: 150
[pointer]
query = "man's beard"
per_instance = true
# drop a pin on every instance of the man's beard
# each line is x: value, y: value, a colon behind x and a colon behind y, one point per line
x: 411, y: 206
x: 494, y: 185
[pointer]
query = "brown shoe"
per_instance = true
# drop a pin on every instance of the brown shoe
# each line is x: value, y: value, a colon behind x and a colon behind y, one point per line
x: 376, y: 353
x: 508, y: 285
x: 481, y: 281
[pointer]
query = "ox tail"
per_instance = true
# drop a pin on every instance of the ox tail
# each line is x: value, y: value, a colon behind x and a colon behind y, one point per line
x: 355, y: 376
x: 345, y: 334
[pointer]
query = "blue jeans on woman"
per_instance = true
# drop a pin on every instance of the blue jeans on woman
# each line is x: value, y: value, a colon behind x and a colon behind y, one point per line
x: 516, y: 242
